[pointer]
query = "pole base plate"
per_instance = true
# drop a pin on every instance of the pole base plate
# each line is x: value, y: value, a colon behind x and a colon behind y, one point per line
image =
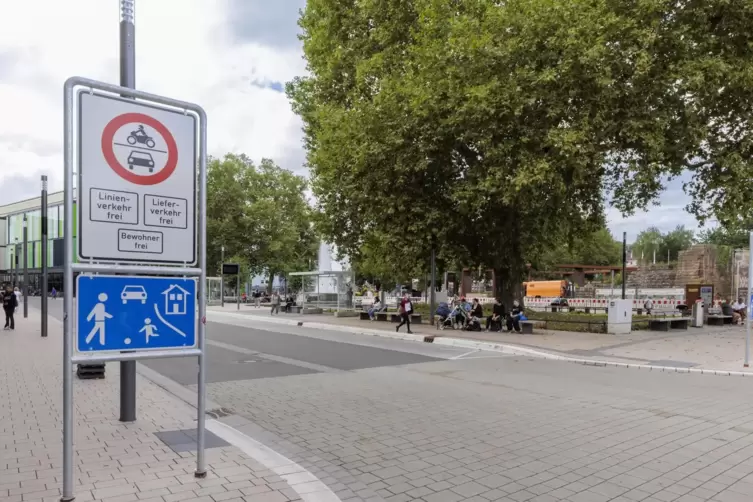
x: 200, y: 475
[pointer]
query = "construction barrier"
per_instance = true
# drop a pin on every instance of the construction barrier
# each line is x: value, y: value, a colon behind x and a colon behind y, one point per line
x: 662, y: 304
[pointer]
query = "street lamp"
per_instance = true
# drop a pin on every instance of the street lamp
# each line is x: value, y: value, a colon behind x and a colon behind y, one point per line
x: 16, y: 279
x: 26, y: 267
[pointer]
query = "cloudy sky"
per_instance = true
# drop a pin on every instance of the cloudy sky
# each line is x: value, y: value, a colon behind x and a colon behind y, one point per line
x: 230, y: 56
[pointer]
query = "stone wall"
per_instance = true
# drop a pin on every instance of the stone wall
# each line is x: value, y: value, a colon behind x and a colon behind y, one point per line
x: 652, y: 276
x: 699, y: 264
x: 740, y: 267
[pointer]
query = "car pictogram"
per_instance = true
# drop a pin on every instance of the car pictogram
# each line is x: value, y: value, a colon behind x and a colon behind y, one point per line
x: 133, y: 293
x: 142, y: 159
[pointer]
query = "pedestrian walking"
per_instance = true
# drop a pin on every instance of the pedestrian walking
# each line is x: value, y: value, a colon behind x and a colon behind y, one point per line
x: 275, y: 301
x: 54, y: 293
x: 10, y: 303
x: 406, y: 309
x: 257, y: 298
x: 17, y: 292
x: 648, y: 306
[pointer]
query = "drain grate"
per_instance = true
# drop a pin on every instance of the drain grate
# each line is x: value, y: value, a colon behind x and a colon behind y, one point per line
x: 219, y: 412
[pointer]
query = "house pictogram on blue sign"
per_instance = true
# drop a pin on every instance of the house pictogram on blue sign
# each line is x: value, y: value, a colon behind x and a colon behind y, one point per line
x: 176, y: 299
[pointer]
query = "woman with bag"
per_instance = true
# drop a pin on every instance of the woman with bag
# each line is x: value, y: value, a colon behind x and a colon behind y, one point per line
x: 406, y: 309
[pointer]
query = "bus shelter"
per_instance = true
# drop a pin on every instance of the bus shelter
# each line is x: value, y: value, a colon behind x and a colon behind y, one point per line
x: 327, y: 290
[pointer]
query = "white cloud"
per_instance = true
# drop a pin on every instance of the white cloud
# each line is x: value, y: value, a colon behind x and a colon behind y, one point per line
x: 185, y: 49
x: 666, y: 216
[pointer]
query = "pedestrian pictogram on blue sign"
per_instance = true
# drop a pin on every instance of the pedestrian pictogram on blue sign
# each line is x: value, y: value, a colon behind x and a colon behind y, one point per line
x: 116, y: 313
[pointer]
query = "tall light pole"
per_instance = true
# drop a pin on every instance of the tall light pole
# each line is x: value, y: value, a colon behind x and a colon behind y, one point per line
x: 433, y: 290
x: 127, y: 79
x: 26, y: 267
x: 44, y: 256
x: 749, y: 301
x: 624, y: 259
x: 16, y: 252
x: 222, y: 277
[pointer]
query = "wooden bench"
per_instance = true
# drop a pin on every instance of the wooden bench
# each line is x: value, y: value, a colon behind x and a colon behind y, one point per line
x: 667, y: 323
x: 718, y: 319
x: 295, y: 309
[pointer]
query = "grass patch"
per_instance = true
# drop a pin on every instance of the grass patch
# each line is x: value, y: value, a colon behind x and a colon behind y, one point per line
x: 580, y: 321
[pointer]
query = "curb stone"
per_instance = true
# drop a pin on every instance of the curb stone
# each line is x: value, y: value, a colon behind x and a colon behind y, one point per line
x: 486, y: 346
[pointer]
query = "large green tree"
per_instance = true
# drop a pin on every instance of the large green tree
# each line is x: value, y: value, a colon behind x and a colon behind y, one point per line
x: 490, y: 129
x: 647, y: 244
x: 652, y: 243
x: 736, y: 238
x: 260, y: 214
x: 590, y: 248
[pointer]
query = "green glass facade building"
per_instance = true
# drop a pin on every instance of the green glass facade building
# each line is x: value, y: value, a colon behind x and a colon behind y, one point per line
x: 11, y: 241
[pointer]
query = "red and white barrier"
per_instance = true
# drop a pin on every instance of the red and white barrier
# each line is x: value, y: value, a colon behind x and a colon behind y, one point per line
x: 599, y: 303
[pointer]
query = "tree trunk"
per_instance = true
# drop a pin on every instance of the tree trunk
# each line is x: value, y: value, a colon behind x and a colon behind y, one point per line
x: 508, y: 285
x: 270, y: 283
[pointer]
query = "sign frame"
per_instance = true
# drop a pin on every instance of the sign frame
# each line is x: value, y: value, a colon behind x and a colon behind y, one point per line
x: 198, y: 271
x: 140, y: 192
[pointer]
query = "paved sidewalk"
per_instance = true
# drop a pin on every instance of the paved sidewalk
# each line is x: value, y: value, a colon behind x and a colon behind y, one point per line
x: 114, y: 462
x: 721, y: 348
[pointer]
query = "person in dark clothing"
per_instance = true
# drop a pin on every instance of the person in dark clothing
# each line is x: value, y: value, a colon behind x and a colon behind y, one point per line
x: 498, y: 313
x: 476, y: 309
x: 10, y: 302
x: 406, y: 309
x: 513, y: 318
x: 477, y: 313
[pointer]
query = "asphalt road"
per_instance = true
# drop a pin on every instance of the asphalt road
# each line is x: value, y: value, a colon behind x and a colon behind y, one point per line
x: 247, y: 350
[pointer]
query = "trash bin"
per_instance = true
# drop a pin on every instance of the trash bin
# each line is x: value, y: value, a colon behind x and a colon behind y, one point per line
x: 697, y: 314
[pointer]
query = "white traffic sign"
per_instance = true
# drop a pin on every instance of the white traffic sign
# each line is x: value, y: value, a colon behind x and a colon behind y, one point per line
x: 137, y: 182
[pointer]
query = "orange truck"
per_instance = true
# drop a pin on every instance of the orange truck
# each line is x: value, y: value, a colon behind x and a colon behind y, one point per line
x: 546, y: 289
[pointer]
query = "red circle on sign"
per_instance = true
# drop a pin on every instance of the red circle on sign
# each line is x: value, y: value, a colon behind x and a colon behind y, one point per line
x: 108, y: 137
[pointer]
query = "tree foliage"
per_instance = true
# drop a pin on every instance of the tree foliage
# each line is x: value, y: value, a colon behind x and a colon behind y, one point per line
x: 259, y: 213
x: 666, y: 246
x: 592, y: 248
x: 491, y: 129
x: 737, y: 238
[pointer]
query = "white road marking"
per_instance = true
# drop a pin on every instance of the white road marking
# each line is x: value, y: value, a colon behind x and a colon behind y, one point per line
x: 464, y: 354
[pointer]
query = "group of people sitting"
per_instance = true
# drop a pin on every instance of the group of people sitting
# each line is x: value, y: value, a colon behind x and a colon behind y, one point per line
x: 461, y: 314
x: 737, y: 310
x: 464, y: 315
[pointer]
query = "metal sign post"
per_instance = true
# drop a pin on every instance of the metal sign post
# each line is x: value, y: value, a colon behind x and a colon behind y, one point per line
x: 233, y: 269
x: 750, y: 303
x: 127, y: 35
x: 139, y: 192
x: 26, y: 267
x: 43, y: 291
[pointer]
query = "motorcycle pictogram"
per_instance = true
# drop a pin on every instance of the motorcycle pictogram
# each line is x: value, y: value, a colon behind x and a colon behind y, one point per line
x: 140, y: 136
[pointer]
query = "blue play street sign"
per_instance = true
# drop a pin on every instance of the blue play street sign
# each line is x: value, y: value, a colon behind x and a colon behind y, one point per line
x: 116, y: 313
